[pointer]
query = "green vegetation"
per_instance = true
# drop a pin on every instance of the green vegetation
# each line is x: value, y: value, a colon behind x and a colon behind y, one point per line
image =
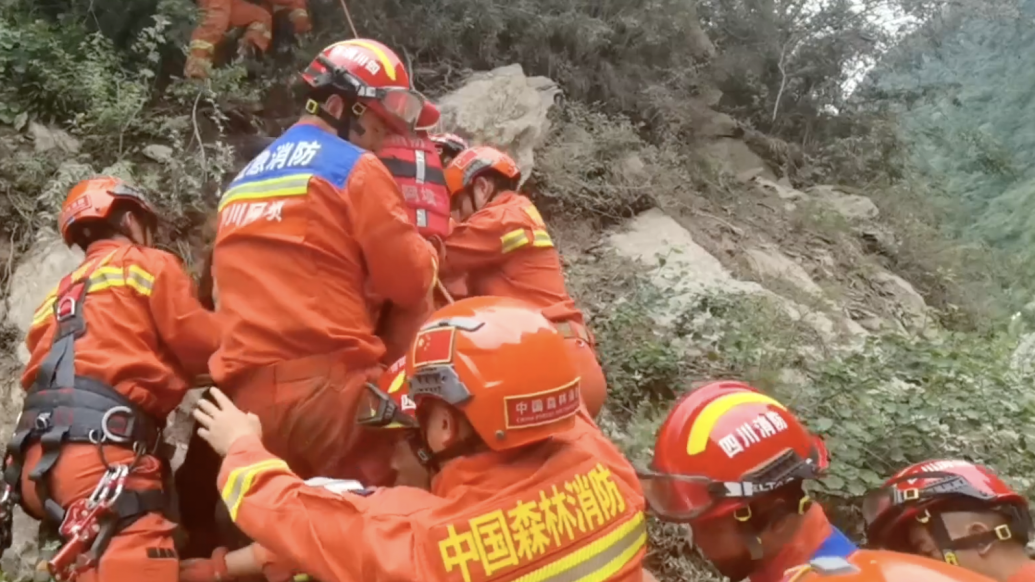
x: 640, y: 78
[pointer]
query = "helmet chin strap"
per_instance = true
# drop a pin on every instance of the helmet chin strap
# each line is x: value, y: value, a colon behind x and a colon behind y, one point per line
x: 344, y: 125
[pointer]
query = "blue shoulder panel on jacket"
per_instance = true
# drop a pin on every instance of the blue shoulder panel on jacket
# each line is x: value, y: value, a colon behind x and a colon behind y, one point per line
x: 303, y: 149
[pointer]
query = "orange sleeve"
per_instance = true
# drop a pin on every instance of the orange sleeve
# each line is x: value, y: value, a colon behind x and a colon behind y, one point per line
x: 475, y: 243
x: 403, y: 266
x: 259, y: 489
x: 186, y: 328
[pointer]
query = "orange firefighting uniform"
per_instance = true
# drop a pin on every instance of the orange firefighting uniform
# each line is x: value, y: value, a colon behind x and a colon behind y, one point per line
x: 505, y: 250
x: 803, y: 547
x: 148, y: 337
x: 569, y: 505
x: 217, y: 16
x: 308, y: 231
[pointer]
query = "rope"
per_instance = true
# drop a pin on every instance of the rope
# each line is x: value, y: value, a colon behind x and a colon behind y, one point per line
x: 348, y: 16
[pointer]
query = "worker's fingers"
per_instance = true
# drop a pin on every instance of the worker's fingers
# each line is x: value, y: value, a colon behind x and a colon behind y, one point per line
x: 224, y: 402
x: 207, y: 407
x: 203, y: 419
x: 205, y: 435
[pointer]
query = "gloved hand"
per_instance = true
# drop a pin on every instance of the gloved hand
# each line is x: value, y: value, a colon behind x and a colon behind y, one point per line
x: 206, y: 569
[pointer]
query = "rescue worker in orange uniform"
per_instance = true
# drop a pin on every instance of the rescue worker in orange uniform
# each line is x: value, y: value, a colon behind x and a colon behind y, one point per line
x: 387, y: 406
x: 218, y: 16
x: 501, y: 244
x: 114, y: 348
x: 956, y: 511
x: 879, y: 566
x: 308, y: 231
x: 298, y: 13
x: 414, y: 163
x: 730, y: 462
x: 449, y: 146
x: 524, y: 485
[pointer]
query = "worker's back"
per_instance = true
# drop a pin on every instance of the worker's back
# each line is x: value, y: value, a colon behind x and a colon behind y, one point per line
x: 286, y: 261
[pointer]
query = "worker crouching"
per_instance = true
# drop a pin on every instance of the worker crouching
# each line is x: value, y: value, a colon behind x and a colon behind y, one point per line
x: 524, y: 486
x: 501, y: 244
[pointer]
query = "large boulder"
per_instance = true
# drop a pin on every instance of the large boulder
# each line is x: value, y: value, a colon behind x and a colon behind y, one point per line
x: 502, y: 108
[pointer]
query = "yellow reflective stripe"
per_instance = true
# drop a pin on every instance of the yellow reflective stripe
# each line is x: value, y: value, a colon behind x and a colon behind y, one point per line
x: 133, y: 277
x: 201, y: 45
x: 715, y: 410
x: 598, y: 561
x: 240, y: 481
x: 100, y: 279
x: 514, y: 240
x: 45, y: 310
x: 541, y: 239
x: 301, y: 578
x: 293, y: 185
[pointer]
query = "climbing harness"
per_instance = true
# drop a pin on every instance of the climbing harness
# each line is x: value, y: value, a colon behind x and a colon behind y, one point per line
x: 88, y: 527
x: 62, y: 407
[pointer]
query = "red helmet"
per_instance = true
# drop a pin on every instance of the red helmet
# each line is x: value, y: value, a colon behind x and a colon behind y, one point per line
x: 474, y: 162
x: 722, y: 447
x: 919, y: 492
x: 367, y: 74
x: 880, y: 566
x: 95, y: 199
x: 449, y: 145
x: 388, y: 404
x: 429, y: 116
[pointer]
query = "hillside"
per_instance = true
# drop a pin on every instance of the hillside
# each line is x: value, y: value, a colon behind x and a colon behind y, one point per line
x: 715, y: 218
x: 963, y: 97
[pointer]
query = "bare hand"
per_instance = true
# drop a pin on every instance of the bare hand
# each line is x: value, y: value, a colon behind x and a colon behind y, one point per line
x: 222, y: 423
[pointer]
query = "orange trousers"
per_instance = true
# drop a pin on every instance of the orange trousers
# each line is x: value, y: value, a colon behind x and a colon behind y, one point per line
x: 220, y: 15
x: 130, y: 555
x: 592, y: 381
x: 308, y: 413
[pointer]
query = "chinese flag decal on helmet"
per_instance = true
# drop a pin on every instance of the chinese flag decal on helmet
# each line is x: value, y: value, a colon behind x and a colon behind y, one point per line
x: 434, y: 346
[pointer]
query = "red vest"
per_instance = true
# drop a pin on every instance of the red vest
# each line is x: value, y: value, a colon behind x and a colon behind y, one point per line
x: 417, y: 169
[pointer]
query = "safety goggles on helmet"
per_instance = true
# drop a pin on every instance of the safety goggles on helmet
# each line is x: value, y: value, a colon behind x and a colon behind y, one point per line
x: 401, y: 106
x: 895, y: 499
x: 378, y: 409
x: 885, y: 510
x: 683, y: 498
x: 439, y: 381
x: 125, y: 191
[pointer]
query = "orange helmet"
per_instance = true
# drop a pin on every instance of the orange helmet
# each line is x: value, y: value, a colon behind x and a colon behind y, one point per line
x: 388, y: 404
x: 723, y: 446
x: 919, y: 492
x: 880, y: 566
x: 502, y: 364
x: 95, y: 199
x: 473, y: 162
x: 367, y: 74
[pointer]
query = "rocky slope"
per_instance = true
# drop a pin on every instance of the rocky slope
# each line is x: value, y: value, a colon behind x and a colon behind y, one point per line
x: 817, y: 255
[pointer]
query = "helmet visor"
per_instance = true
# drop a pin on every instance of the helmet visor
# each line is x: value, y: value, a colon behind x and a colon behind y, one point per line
x: 377, y: 409
x: 677, y: 498
x: 403, y: 104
